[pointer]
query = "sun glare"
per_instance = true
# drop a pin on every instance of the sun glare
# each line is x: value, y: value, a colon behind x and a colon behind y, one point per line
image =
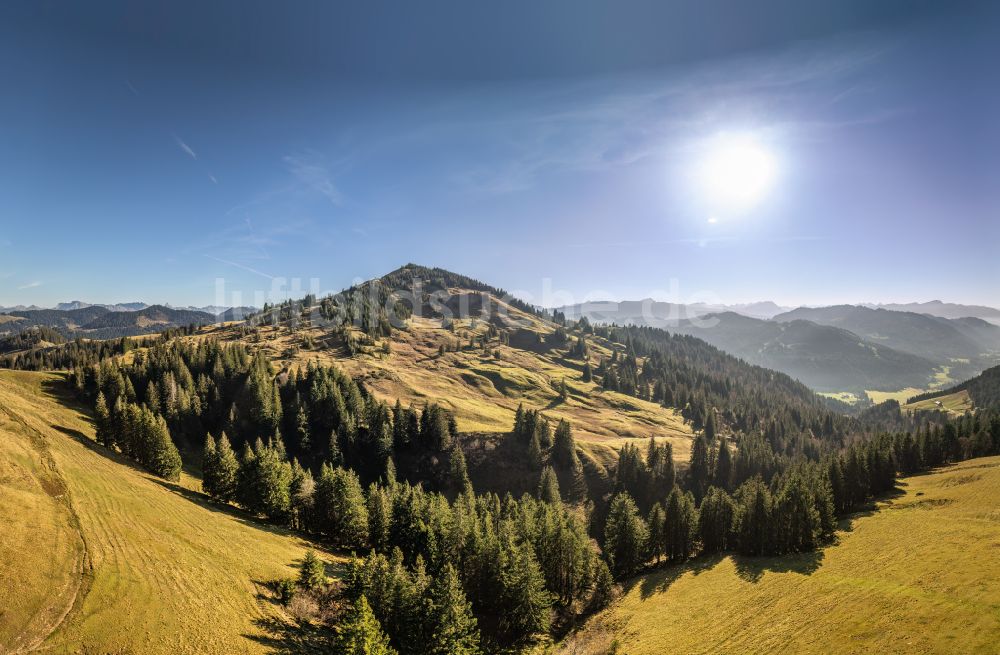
x: 736, y: 172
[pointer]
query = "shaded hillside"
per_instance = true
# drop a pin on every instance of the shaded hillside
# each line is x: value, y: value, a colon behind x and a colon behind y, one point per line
x: 97, y: 322
x: 823, y: 357
x: 150, y: 319
x: 66, y: 322
x: 941, y: 340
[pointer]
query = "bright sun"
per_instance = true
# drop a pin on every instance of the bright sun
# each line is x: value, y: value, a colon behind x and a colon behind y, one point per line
x: 736, y: 172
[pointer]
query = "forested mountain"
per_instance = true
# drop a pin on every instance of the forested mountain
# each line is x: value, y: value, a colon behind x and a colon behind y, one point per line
x: 823, y: 357
x: 98, y: 322
x: 66, y: 322
x: 153, y: 318
x: 940, y: 340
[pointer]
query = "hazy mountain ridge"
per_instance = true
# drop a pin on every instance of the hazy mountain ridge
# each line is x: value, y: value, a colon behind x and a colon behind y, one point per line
x: 73, y: 305
x: 98, y: 322
x: 842, y: 347
x: 641, y: 311
x: 939, y: 308
x: 948, y: 342
x: 823, y: 357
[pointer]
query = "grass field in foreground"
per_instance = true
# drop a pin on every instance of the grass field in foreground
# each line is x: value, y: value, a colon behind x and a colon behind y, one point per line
x: 919, y: 575
x: 99, y: 557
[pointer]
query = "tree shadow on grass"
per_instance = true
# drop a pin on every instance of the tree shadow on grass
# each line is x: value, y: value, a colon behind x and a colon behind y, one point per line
x: 660, y: 579
x: 872, y: 507
x: 752, y: 569
x: 291, y: 637
x: 60, y: 391
x: 193, y: 496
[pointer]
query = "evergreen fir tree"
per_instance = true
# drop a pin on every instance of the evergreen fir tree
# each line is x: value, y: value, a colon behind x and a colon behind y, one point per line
x: 226, y: 471
x: 698, y: 471
x: 524, y: 598
x: 548, y: 487
x: 625, y: 536
x: 312, y: 572
x: 102, y: 421
x: 360, y: 633
x: 453, y: 629
x: 209, y: 467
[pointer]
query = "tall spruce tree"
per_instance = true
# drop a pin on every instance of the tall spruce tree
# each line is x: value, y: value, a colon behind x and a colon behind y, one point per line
x: 625, y: 536
x: 360, y: 633
x: 453, y: 628
x: 548, y: 487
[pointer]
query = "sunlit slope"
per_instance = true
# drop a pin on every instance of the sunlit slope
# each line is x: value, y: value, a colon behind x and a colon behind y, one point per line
x: 100, y: 557
x: 484, y: 390
x: 920, y: 575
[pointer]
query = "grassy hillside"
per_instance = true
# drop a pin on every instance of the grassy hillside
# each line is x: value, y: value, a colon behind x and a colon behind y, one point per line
x: 920, y: 575
x: 981, y: 391
x: 98, y: 556
x: 482, y: 390
x: 957, y: 403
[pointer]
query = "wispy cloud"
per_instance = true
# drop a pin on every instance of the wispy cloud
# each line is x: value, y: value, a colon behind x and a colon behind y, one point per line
x: 240, y: 266
x: 311, y: 169
x: 185, y: 148
x: 597, y: 125
x: 212, y: 177
x: 30, y: 285
x: 248, y: 242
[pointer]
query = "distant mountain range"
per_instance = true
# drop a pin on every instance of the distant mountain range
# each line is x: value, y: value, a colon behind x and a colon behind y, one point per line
x: 98, y: 322
x: 942, y: 309
x: 651, y: 312
x: 214, y: 310
x: 839, y: 348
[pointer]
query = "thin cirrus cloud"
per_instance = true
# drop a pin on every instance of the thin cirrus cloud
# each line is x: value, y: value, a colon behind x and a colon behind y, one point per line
x: 30, y: 285
x: 185, y: 148
x: 311, y: 170
x: 601, y: 124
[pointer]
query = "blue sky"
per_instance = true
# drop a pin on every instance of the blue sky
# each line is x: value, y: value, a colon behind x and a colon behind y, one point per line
x: 146, y: 151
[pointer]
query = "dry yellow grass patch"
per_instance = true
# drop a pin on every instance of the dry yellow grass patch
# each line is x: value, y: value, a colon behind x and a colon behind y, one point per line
x: 100, y: 557
x: 483, y: 391
x: 956, y: 403
x: 920, y: 575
